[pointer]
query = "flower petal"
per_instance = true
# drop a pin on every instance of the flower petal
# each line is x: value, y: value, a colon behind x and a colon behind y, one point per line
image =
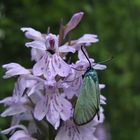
x: 87, y: 39
x: 38, y: 68
x: 13, y: 110
x: 101, y: 86
x: 36, y: 54
x: 66, y: 48
x: 102, y: 100
x: 65, y: 108
x: 81, y: 55
x: 51, y: 42
x: 60, y: 66
x: 73, y: 87
x: 6, y: 131
x: 21, y: 135
x: 37, y: 45
x: 69, y: 131
x: 14, y: 69
x: 76, y: 18
x: 50, y: 70
x: 40, y: 109
x: 58, y: 107
x: 6, y: 101
x: 55, y: 67
x: 53, y: 116
x: 31, y: 33
x: 99, y: 66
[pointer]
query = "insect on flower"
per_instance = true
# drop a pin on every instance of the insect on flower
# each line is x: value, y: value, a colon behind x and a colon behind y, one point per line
x: 88, y: 102
x: 87, y: 105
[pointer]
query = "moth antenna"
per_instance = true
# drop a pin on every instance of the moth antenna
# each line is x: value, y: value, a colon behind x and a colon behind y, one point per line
x: 105, y: 61
x: 86, y: 57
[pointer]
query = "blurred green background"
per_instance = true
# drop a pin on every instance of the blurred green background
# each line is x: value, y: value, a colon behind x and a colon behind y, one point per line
x: 116, y: 22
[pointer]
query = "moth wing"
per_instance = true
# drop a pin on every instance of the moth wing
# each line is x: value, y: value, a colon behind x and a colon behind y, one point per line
x: 87, y: 103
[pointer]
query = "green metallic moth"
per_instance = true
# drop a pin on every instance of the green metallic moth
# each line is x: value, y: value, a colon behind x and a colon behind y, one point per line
x: 88, y: 103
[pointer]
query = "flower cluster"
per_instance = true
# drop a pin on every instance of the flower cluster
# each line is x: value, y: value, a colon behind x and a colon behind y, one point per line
x: 43, y: 96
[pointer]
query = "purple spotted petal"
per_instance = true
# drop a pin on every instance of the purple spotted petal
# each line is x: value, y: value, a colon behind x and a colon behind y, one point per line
x: 60, y: 66
x: 58, y: 107
x: 40, y: 109
x: 39, y: 67
x: 37, y: 54
x: 55, y: 65
x: 50, y: 69
x: 53, y: 116
x: 73, y: 87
